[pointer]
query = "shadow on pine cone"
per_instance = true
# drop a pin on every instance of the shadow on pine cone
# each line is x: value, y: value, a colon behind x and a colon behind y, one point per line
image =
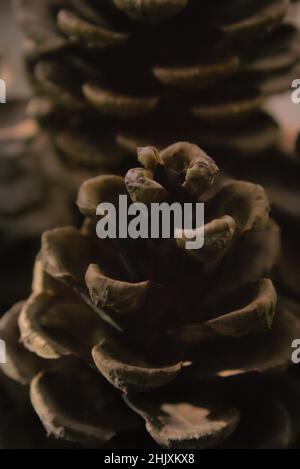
x: 194, y: 342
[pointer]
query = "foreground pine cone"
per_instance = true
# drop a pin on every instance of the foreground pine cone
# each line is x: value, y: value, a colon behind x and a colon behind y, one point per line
x: 187, y: 336
x: 120, y: 74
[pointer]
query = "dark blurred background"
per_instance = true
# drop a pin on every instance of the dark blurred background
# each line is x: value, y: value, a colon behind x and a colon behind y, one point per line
x: 29, y: 202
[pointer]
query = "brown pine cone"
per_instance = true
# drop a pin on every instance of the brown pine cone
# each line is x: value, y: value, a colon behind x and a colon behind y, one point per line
x: 195, y: 340
x: 120, y: 74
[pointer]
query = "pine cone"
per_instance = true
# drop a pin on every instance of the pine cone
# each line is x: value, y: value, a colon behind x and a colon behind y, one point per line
x: 187, y: 336
x: 121, y: 74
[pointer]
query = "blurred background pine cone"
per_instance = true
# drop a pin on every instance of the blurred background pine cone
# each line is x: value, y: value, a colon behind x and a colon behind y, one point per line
x: 121, y: 74
x: 196, y: 340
